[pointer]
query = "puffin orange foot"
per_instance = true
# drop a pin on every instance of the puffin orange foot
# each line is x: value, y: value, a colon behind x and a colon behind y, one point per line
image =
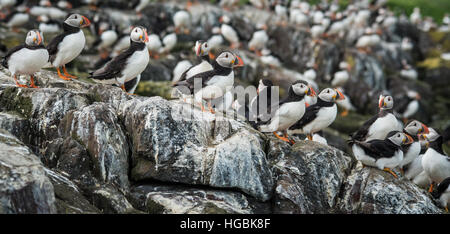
x: 67, y: 74
x: 390, y: 171
x: 281, y: 138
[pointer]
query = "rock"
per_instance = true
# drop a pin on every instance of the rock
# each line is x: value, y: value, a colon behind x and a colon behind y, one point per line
x: 69, y: 198
x: 372, y: 191
x: 291, y: 46
x: 110, y: 200
x: 185, y: 200
x: 96, y: 127
x: 308, y: 176
x: 24, y: 186
x: 208, y: 150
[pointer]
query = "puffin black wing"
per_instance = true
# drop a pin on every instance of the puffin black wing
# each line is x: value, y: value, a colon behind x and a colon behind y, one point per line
x: 183, y: 76
x: 362, y: 132
x: 441, y: 188
x: 113, y: 68
x: 52, y: 47
x: 9, y: 53
x: 310, y: 115
x: 378, y: 148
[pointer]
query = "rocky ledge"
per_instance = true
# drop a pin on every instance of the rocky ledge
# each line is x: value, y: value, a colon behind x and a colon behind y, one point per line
x: 78, y: 147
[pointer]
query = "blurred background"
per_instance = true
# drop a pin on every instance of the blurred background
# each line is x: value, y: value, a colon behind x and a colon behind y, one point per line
x: 365, y: 48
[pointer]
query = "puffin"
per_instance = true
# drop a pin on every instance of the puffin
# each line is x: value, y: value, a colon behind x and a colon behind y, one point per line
x: 288, y: 111
x: 443, y: 193
x: 182, y: 21
x: 48, y: 25
x: 342, y: 76
x: 408, y: 72
x: 127, y: 65
x: 384, y: 154
x: 28, y: 58
x: 169, y: 42
x: 202, y: 52
x: 320, y: 115
x: 16, y: 19
x: 410, y: 106
x: 414, y: 171
x: 214, y: 82
x: 179, y: 69
x: 435, y: 163
x: 68, y: 45
x: 228, y: 32
x: 259, y: 40
x: 154, y: 45
x: 412, y: 151
x: 379, y: 125
x: 345, y: 104
x: 260, y: 105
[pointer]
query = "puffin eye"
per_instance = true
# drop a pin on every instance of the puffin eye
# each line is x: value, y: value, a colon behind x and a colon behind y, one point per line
x: 76, y: 16
x: 226, y: 56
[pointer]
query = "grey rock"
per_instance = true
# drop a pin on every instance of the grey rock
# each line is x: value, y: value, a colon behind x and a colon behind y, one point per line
x: 24, y: 186
x: 185, y: 200
x: 208, y: 150
x: 96, y: 127
x: 372, y: 191
x: 308, y: 176
x: 69, y: 197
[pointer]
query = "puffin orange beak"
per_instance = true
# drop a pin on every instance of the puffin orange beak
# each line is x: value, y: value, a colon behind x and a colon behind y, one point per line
x: 146, y: 36
x: 425, y: 129
x: 380, y: 104
x: 240, y: 62
x: 341, y: 95
x: 198, y: 50
x: 312, y: 92
x: 410, y: 140
x: 86, y: 22
x: 306, y: 104
x: 39, y: 38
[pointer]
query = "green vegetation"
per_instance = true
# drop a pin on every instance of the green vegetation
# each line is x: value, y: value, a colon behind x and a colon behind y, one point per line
x: 434, y: 8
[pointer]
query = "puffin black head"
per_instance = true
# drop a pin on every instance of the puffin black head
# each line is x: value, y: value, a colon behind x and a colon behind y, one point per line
x: 34, y: 38
x: 139, y: 34
x: 201, y: 48
x: 399, y: 138
x: 302, y: 88
x: 78, y: 21
x: 331, y: 95
x: 385, y: 102
x: 229, y: 60
x: 415, y: 127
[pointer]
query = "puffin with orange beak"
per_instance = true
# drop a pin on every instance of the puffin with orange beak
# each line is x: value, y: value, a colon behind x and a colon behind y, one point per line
x: 320, y: 115
x: 28, y: 58
x: 412, y: 151
x: 380, y: 124
x: 67, y: 46
x: 127, y: 65
x: 214, y: 82
x: 288, y: 111
x: 384, y: 154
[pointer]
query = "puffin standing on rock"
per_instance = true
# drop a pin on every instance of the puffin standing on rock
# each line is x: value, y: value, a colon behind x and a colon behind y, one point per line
x: 67, y: 46
x: 127, y: 65
x: 443, y: 193
x: 290, y: 110
x: 379, y: 125
x: 28, y: 58
x: 434, y: 162
x: 412, y: 151
x: 383, y: 154
x: 319, y: 115
x: 215, y: 81
x: 202, y: 51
